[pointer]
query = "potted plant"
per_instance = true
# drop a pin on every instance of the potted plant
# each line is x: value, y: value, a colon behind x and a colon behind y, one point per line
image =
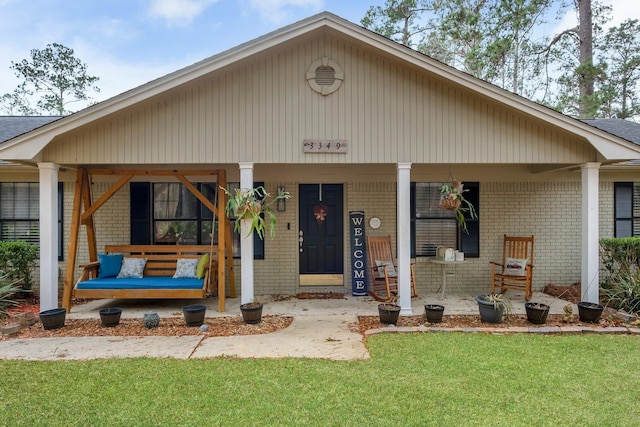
x: 589, y: 312
x: 110, y: 316
x: 194, y: 314
x: 493, y: 306
x: 255, y: 205
x: 537, y: 312
x: 389, y: 313
x: 251, y: 312
x: 434, y: 312
x: 53, y: 319
x: 452, y: 198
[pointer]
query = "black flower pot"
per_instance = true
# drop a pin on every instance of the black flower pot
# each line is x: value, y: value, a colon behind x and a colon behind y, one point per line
x: 589, y: 312
x: 389, y: 313
x: 536, y: 312
x: 434, y: 312
x: 53, y: 319
x: 194, y: 314
x: 110, y: 317
x: 488, y: 312
x: 251, y: 313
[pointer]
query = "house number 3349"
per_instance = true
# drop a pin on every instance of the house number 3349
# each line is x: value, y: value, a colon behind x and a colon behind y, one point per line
x: 324, y: 146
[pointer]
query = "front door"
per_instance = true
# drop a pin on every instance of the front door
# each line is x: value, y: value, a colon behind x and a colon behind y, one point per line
x: 321, y: 235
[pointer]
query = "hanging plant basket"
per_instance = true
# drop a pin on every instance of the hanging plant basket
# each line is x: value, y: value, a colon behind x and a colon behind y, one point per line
x: 450, y: 203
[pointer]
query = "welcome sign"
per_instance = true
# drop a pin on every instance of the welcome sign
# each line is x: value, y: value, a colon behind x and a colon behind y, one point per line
x: 358, y: 254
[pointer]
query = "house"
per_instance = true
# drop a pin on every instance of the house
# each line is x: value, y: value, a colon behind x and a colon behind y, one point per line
x: 348, y: 122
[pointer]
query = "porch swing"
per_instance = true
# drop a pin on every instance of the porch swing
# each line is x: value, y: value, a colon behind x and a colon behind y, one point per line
x: 161, y: 260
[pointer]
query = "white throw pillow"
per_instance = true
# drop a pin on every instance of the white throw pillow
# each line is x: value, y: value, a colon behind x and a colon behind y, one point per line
x: 132, y: 268
x: 391, y: 270
x: 515, y: 266
x: 186, y: 268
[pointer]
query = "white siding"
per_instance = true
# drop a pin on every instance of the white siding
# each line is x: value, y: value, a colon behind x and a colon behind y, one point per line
x: 262, y: 109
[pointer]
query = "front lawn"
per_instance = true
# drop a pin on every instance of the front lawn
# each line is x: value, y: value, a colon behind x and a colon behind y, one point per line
x: 445, y: 379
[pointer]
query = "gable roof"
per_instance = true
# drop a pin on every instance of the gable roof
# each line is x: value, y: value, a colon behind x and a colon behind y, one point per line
x: 27, y: 147
x: 12, y: 126
x: 622, y: 128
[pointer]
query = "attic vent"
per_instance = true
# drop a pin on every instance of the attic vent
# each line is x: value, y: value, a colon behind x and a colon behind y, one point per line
x: 325, y: 76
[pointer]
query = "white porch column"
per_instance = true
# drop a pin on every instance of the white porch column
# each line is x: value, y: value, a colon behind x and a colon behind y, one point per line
x: 590, y: 278
x: 246, y: 240
x: 403, y: 237
x: 48, y: 235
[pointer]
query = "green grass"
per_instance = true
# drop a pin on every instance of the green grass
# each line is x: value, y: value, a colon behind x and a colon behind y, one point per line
x: 411, y: 380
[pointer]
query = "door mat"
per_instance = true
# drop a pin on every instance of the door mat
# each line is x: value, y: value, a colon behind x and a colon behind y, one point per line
x: 320, y: 295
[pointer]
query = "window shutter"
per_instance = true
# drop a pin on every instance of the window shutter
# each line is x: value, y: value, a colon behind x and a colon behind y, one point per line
x: 470, y: 243
x: 140, y: 195
x: 624, y: 209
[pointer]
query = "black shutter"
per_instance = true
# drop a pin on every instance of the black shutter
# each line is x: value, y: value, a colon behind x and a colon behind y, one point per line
x: 623, y: 200
x: 140, y: 194
x: 60, y: 220
x: 258, y: 243
x: 470, y: 243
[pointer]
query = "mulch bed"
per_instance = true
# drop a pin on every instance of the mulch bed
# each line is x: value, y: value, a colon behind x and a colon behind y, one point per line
x: 571, y: 293
x: 234, y: 325
x: 174, y: 326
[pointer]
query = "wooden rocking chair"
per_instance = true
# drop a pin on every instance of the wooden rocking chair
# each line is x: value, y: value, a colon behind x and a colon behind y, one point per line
x: 516, y: 270
x: 383, y: 271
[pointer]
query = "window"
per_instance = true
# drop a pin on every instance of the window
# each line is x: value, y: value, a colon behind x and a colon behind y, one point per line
x: 20, y: 212
x: 627, y: 209
x: 168, y: 213
x: 432, y: 226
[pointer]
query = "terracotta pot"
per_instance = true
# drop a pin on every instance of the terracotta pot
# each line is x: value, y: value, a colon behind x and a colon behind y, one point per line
x: 389, y: 313
x: 434, y: 313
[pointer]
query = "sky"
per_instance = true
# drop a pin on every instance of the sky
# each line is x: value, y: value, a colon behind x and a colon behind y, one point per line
x: 127, y: 43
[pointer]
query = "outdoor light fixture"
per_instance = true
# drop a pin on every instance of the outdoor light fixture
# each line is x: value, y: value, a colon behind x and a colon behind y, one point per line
x: 282, y: 203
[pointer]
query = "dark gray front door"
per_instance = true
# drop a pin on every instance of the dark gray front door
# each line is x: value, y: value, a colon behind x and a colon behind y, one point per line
x: 321, y: 233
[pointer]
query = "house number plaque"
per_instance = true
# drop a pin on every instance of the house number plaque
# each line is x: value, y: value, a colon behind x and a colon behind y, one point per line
x: 324, y: 145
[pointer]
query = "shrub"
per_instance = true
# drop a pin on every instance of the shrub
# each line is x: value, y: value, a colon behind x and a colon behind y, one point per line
x: 620, y: 284
x: 8, y: 287
x: 17, y: 260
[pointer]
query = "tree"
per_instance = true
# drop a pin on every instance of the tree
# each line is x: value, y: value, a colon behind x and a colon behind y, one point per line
x: 56, y: 76
x: 486, y: 38
x: 580, y: 74
x: 400, y: 20
x: 620, y: 92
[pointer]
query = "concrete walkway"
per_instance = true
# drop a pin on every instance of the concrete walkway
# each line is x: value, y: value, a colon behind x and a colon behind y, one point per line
x: 320, y: 329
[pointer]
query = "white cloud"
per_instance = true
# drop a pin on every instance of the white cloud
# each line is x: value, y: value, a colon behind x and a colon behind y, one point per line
x: 179, y: 12
x: 277, y: 11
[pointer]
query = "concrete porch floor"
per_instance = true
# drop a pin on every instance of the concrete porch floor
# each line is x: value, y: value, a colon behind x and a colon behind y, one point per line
x: 455, y: 303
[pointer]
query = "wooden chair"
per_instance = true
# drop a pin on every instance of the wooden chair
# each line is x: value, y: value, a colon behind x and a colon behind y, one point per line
x: 516, y: 269
x: 383, y: 271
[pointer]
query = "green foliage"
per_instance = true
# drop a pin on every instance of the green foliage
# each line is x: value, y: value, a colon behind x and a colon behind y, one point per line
x: 8, y: 288
x: 55, y: 75
x: 420, y: 379
x: 620, y: 285
x: 455, y: 191
x: 499, y: 301
x: 17, y: 260
x: 254, y: 205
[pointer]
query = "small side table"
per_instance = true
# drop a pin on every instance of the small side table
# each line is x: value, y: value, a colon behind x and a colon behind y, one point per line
x: 446, y: 271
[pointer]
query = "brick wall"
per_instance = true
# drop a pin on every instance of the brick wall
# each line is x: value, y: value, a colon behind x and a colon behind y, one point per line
x: 506, y: 208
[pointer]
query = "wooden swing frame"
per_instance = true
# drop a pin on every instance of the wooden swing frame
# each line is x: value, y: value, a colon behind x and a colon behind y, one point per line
x: 84, y: 209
